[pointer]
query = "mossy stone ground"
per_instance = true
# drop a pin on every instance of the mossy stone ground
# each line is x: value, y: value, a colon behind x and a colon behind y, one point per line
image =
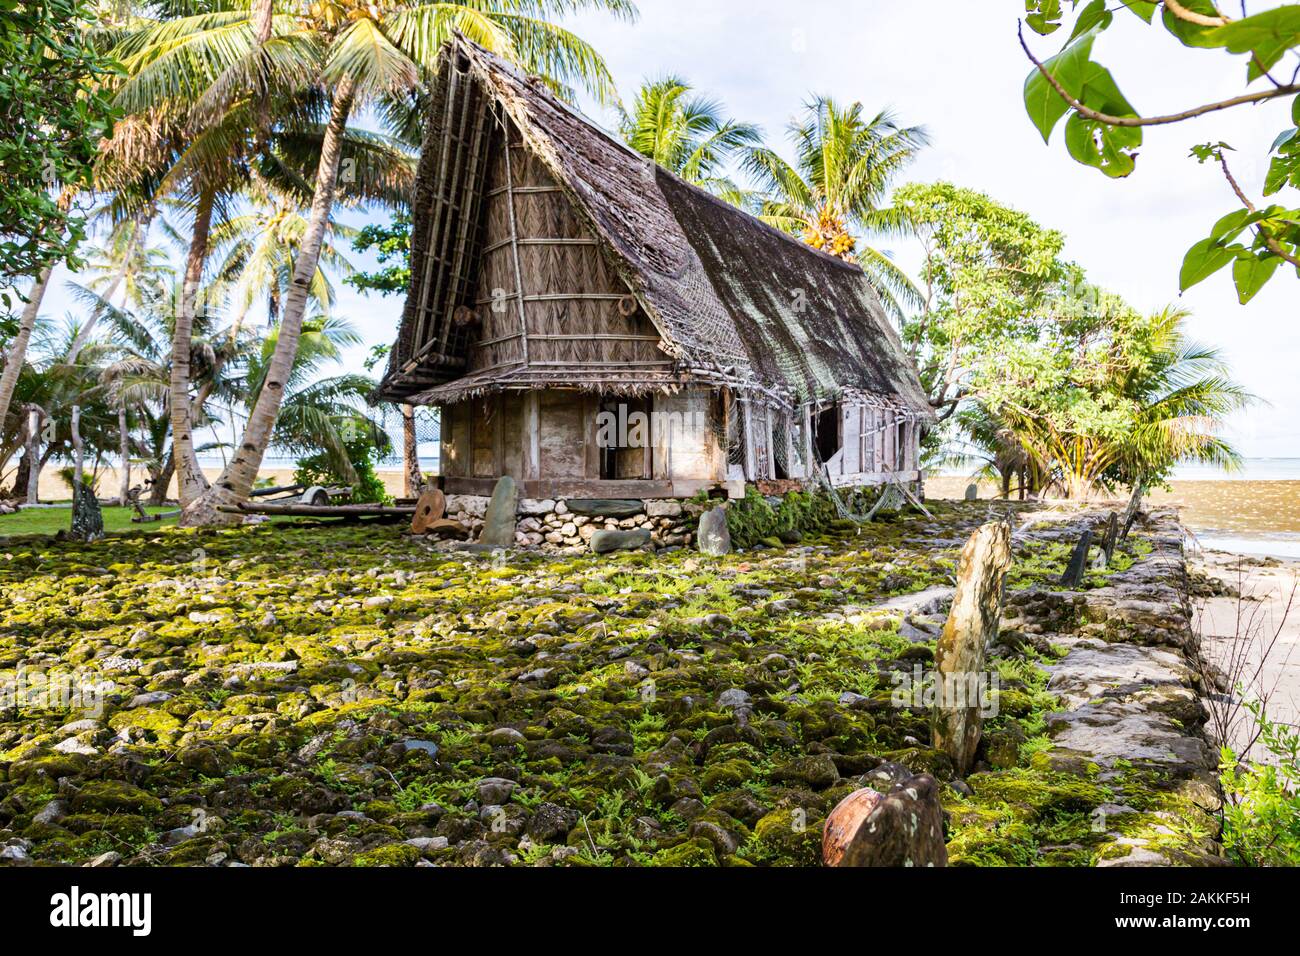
x: 342, y: 695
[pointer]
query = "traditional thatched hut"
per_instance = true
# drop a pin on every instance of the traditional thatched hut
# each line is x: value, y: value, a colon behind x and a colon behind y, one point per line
x: 597, y: 328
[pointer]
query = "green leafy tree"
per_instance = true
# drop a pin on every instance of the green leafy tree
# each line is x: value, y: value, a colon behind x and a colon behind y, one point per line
x: 1104, y: 130
x: 391, y: 243
x: 833, y: 195
x: 987, y: 277
x: 53, y: 113
x: 688, y: 135
x: 1110, y: 396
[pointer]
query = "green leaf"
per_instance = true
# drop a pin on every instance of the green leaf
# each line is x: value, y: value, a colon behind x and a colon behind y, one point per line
x: 1144, y: 9
x: 1094, y: 16
x: 1102, y: 93
x: 1202, y: 261
x: 1230, y: 226
x: 1192, y: 34
x: 1045, y: 106
x: 1295, y: 111
x: 1107, y: 148
x: 1043, y: 16
x: 1281, y: 171
x: 1267, y: 36
x: 1283, y: 138
x: 1250, y: 273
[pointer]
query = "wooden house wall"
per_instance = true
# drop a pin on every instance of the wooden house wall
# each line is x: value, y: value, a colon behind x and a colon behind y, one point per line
x: 548, y: 441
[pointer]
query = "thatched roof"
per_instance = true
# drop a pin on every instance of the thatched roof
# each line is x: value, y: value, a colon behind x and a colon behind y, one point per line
x: 735, y: 301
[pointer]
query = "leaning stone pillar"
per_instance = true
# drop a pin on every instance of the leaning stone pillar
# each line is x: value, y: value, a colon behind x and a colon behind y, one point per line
x: 972, y: 626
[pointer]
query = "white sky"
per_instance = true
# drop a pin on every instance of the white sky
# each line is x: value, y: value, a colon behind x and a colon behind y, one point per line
x: 956, y: 66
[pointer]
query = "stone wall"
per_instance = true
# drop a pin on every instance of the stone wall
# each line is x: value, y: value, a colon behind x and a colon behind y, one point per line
x: 1131, y: 691
x: 567, y: 525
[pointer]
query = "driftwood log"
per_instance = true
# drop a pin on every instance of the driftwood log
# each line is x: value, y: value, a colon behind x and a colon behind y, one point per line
x: 319, y: 511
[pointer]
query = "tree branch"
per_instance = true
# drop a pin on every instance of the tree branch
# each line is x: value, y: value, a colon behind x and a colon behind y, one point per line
x: 1274, y: 246
x: 1191, y: 16
x: 1139, y: 121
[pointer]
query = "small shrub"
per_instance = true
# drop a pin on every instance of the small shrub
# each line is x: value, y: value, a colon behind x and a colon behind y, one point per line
x: 1261, y: 811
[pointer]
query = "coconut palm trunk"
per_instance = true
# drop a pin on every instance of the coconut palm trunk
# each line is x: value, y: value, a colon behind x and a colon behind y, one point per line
x: 237, y: 479
x: 35, y: 416
x: 18, y: 350
x: 124, y: 452
x: 411, y: 453
x: 190, y: 480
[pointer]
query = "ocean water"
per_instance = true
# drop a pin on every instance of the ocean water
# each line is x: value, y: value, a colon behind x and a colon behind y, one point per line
x: 1254, y: 511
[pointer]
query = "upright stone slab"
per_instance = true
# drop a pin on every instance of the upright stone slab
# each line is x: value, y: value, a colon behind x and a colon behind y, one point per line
x: 901, y: 829
x: 501, y: 516
x: 1132, y: 510
x: 1078, y: 566
x: 971, y: 627
x: 87, y: 519
x: 1112, y: 538
x: 713, y: 536
x: 972, y: 492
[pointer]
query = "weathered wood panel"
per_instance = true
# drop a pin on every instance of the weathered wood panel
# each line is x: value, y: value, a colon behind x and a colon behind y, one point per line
x: 485, y: 420
x: 689, y: 444
x: 562, y: 435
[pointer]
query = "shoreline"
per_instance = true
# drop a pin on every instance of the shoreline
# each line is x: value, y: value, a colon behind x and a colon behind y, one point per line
x: 1252, y: 633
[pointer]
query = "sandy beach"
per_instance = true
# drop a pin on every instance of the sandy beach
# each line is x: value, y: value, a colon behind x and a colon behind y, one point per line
x: 1254, y: 639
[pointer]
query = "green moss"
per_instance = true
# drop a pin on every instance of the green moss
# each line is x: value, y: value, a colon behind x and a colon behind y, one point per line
x: 610, y: 670
x: 392, y: 855
x: 693, y: 853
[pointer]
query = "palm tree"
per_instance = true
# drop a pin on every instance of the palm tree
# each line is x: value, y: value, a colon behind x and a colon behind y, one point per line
x: 833, y: 195
x: 689, y: 136
x: 1184, y: 395
x: 255, y: 252
x: 358, y: 54
x: 318, y: 413
x: 1120, y: 404
x: 16, y: 353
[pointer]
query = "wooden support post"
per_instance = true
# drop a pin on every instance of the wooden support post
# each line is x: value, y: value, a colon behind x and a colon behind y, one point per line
x: 769, y: 431
x: 412, y: 479
x: 514, y: 251
x: 532, y: 431
x: 748, y: 424
x: 499, y: 435
x: 647, y: 450
x: 790, y: 469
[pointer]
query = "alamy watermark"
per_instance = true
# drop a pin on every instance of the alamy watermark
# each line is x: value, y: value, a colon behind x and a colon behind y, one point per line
x: 33, y: 690
x: 926, y: 690
x: 621, y: 427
